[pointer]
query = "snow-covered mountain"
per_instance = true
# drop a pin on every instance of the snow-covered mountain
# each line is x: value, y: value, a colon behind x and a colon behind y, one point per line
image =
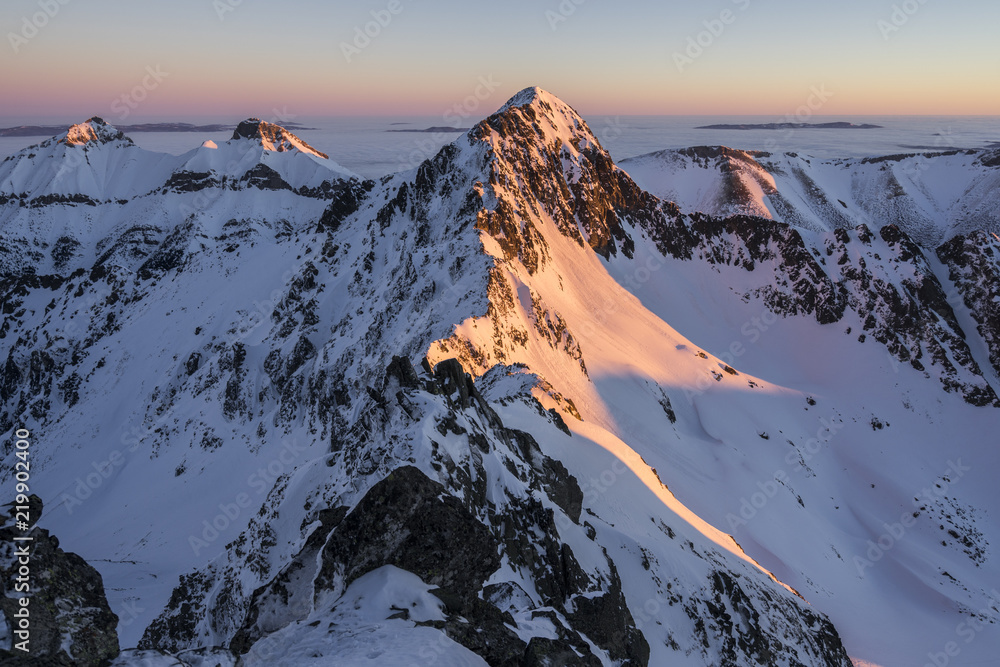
x: 505, y: 408
x: 930, y: 196
x: 60, y: 198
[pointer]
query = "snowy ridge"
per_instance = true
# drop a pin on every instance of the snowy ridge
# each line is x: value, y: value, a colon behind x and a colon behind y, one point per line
x: 932, y: 196
x: 715, y: 180
x: 94, y: 163
x: 64, y: 204
x: 638, y: 380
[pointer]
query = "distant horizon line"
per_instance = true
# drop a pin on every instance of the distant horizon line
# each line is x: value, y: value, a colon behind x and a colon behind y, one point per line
x: 19, y: 120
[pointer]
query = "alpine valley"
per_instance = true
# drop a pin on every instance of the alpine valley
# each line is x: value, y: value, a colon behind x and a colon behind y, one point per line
x: 516, y: 406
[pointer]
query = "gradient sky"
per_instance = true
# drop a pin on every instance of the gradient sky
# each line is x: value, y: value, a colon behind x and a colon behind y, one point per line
x: 602, y: 57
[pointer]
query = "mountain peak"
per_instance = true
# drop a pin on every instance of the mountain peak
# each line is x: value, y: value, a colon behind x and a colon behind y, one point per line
x: 538, y: 98
x: 94, y: 130
x: 536, y: 115
x: 274, y: 137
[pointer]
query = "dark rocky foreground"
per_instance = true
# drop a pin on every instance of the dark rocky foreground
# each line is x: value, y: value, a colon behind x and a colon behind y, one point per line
x: 70, y: 620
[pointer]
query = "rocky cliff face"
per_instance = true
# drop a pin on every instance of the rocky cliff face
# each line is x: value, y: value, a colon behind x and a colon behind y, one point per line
x: 973, y: 263
x: 69, y: 621
x: 884, y: 281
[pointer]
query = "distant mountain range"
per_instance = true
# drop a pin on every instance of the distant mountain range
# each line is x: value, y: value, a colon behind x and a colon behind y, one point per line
x: 839, y: 125
x: 434, y: 129
x: 47, y: 130
x: 932, y: 196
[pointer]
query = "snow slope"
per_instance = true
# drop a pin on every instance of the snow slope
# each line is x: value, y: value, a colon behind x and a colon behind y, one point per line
x: 687, y: 434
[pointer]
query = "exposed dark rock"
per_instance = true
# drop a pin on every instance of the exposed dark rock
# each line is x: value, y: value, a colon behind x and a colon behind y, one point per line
x: 454, y: 379
x: 562, y: 488
x: 345, y: 201
x: 408, y: 520
x: 481, y: 628
x: 728, y: 621
x: 991, y: 159
x: 264, y: 178
x: 282, y: 592
x: 173, y: 631
x: 168, y: 255
x: 68, y: 608
x: 190, y: 181
x: 973, y: 263
x: 559, y: 421
x: 606, y: 619
x: 277, y: 136
x: 599, y: 200
x: 192, y: 363
x: 401, y: 369
x: 912, y: 321
x: 68, y: 200
x: 64, y: 250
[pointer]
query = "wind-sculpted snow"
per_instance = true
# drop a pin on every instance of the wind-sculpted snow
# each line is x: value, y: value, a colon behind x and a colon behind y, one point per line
x: 506, y: 406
